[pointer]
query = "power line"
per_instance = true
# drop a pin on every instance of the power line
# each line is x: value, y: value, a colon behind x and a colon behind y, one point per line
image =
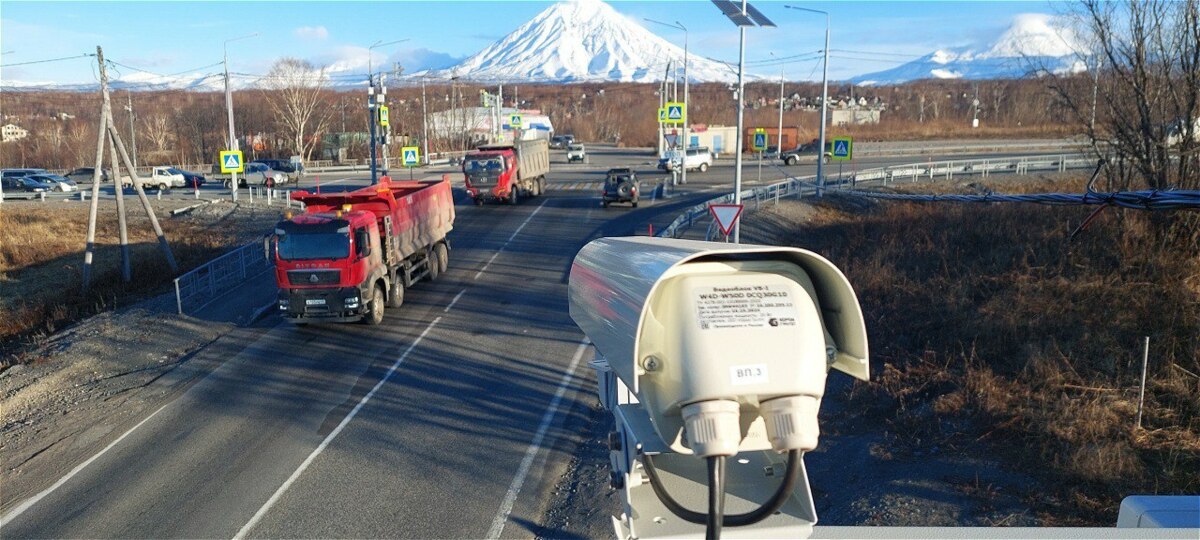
x: 85, y: 55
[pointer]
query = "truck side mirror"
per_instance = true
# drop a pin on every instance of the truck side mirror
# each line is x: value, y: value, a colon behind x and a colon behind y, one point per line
x: 268, y: 245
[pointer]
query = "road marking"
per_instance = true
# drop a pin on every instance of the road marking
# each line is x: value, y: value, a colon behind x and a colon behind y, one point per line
x: 455, y: 301
x: 534, y: 447
x: 510, y: 239
x: 332, y: 435
x: 20, y: 509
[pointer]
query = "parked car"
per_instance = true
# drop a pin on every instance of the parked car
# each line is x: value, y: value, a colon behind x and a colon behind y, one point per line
x: 18, y: 173
x: 792, y: 157
x: 620, y: 185
x: 698, y: 158
x: 22, y: 186
x: 191, y: 178
x: 560, y: 142
x: 56, y: 182
x: 85, y: 174
x: 576, y: 152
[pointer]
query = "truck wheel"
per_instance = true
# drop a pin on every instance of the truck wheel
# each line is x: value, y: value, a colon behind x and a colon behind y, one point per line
x: 541, y: 186
x: 162, y: 187
x: 431, y: 265
x: 395, y: 298
x: 375, y: 315
x: 513, y: 195
x: 703, y: 167
x: 442, y: 257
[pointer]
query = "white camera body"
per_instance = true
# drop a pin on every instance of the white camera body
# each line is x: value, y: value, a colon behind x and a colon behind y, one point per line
x: 691, y: 327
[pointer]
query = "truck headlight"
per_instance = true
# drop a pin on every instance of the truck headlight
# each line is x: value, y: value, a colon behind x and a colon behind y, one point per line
x: 352, y: 302
x: 283, y: 304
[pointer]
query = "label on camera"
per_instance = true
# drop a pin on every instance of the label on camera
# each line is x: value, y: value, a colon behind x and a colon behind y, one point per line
x: 745, y: 306
x: 748, y: 374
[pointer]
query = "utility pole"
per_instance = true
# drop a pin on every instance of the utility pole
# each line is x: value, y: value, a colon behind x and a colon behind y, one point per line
x: 779, y: 130
x: 381, y: 101
x: 824, y: 100
x: 741, y: 106
x: 371, y: 119
x: 500, y: 113
x: 424, y: 121
x: 687, y: 112
x: 233, y: 143
x: 975, y: 108
x: 1095, y: 92
x: 132, y: 132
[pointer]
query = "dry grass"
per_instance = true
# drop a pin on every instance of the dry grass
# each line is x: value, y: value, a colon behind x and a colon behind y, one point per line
x: 989, y: 327
x: 41, y: 260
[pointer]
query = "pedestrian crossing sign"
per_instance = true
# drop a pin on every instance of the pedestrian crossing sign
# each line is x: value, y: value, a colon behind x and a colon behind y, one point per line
x: 760, y: 139
x: 662, y: 114
x: 843, y: 148
x: 410, y: 156
x: 514, y: 121
x: 676, y: 113
x: 231, y: 161
x: 383, y: 115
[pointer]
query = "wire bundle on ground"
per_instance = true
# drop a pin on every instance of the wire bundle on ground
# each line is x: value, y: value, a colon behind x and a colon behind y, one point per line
x: 1139, y: 200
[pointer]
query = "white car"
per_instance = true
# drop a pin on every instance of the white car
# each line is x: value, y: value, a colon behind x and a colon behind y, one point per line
x: 56, y: 182
x: 698, y: 159
x: 160, y: 177
x: 576, y: 152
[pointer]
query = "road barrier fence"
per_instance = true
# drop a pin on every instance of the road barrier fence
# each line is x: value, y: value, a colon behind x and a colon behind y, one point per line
x: 205, y: 283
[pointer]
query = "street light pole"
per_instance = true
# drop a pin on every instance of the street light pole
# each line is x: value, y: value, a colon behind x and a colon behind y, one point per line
x: 233, y: 144
x: 424, y: 121
x: 741, y: 107
x: 375, y: 102
x: 686, y: 86
x: 824, y: 100
x: 779, y: 130
x: 132, y: 132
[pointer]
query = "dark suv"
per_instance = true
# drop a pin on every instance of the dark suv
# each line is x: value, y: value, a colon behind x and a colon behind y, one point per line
x: 84, y: 174
x: 792, y: 157
x: 620, y: 185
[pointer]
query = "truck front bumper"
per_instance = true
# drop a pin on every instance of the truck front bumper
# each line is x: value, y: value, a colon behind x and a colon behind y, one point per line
x: 485, y: 194
x: 342, y: 304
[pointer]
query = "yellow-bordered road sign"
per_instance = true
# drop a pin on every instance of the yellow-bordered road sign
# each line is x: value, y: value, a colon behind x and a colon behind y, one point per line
x: 231, y: 161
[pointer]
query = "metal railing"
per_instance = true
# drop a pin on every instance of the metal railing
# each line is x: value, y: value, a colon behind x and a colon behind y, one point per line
x: 883, y: 176
x: 201, y: 286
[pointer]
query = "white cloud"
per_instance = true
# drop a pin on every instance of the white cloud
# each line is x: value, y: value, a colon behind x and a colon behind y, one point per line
x: 311, y: 32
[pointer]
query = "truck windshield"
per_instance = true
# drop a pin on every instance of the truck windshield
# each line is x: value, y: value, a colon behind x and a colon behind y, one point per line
x: 480, y: 167
x: 301, y: 246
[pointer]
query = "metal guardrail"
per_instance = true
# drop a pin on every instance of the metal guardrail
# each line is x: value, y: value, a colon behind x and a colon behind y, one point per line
x: 201, y: 286
x: 883, y: 176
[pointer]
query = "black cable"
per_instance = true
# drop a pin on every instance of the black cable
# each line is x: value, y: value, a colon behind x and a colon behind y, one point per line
x: 716, y: 497
x: 85, y: 55
x: 790, y: 475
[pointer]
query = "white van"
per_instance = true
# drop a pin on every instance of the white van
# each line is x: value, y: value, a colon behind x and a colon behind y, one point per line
x: 699, y: 158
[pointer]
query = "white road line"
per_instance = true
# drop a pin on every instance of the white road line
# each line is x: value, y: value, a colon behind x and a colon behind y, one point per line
x: 329, y: 438
x: 534, y: 447
x: 20, y: 509
x: 455, y: 301
x: 510, y: 239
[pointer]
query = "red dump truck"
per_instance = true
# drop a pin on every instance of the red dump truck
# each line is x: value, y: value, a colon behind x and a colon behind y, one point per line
x: 350, y: 254
x: 507, y: 172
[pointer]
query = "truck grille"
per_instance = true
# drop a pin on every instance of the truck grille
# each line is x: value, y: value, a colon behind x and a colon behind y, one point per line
x: 314, y: 277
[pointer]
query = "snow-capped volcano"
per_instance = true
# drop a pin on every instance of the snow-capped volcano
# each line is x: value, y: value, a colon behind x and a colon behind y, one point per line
x: 582, y: 40
x: 1034, y: 43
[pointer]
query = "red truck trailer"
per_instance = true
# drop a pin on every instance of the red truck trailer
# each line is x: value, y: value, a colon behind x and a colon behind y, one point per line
x: 507, y: 172
x: 350, y: 254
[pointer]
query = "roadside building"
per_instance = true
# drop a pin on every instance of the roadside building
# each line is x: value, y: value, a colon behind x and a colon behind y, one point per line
x: 854, y: 117
x: 475, y: 124
x: 717, y: 139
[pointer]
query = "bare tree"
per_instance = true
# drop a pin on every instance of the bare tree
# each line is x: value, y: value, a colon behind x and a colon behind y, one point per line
x: 158, y: 130
x: 294, y: 90
x: 1145, y: 96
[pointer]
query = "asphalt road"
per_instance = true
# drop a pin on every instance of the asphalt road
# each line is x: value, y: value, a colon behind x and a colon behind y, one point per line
x: 450, y: 420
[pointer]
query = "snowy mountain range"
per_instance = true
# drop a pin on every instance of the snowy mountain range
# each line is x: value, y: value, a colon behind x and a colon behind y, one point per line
x: 1034, y: 43
x: 588, y: 40
x: 583, y: 40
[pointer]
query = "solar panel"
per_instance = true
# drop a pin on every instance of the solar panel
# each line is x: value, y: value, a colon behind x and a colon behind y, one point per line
x: 733, y: 12
x: 758, y: 17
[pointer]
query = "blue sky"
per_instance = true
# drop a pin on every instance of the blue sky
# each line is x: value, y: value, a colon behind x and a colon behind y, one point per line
x: 174, y: 37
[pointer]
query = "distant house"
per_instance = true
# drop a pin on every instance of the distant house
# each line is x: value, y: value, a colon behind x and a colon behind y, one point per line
x: 844, y: 117
x: 13, y: 132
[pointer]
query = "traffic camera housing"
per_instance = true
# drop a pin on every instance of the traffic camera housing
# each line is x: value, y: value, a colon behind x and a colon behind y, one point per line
x: 710, y: 349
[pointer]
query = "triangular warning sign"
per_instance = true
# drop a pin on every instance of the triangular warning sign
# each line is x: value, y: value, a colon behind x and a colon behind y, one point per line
x: 231, y: 161
x: 840, y: 149
x: 726, y: 215
x: 675, y: 113
x: 410, y: 157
